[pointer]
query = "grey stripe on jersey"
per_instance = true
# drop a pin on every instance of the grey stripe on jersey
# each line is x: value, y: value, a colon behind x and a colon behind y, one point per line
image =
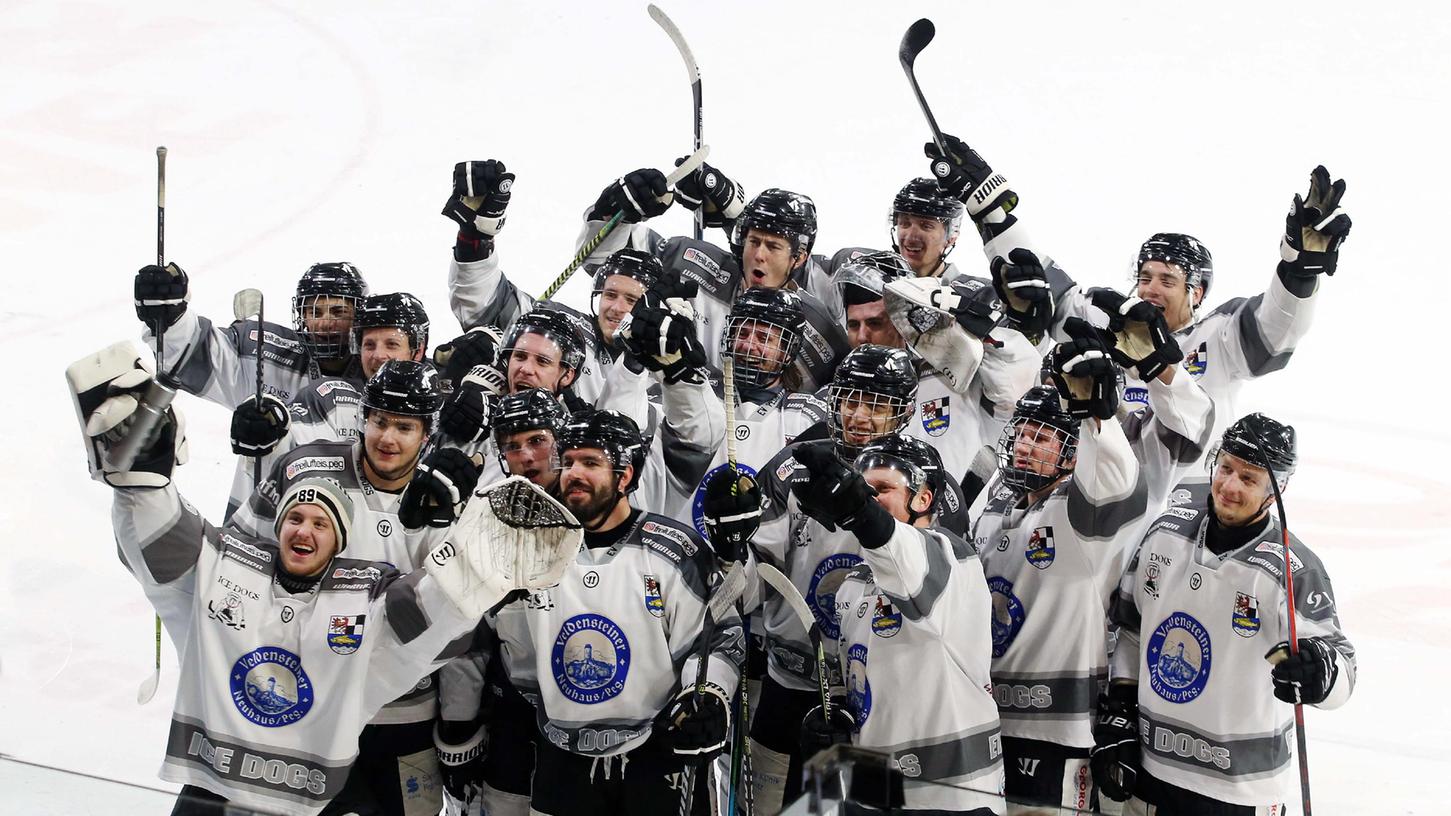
x: 955, y: 755
x: 304, y: 778
x: 196, y: 367
x: 1181, y: 450
x: 176, y: 547
x: 1035, y: 696
x: 1240, y: 757
x: 1257, y: 354
x: 1105, y: 520
x: 256, y: 557
x: 405, y: 612
x: 939, y: 570
x: 591, y: 738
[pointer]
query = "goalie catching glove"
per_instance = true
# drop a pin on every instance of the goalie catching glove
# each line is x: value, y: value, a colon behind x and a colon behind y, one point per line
x: 659, y: 332
x: 1142, y: 340
x: 945, y: 324
x: 1082, y: 369
x: 441, y: 484
x: 124, y: 413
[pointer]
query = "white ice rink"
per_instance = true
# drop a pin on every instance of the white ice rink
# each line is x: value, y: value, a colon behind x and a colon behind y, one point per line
x: 301, y: 132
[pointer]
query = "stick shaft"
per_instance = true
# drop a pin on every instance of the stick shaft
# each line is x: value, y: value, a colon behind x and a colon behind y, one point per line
x: 692, y: 72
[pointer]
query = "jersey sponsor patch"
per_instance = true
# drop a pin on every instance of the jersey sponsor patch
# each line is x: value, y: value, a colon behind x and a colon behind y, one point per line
x: 706, y: 263
x: 886, y: 620
x: 332, y: 464
x: 345, y: 633
x: 697, y: 503
x: 1186, y: 513
x: 1008, y: 614
x: 229, y: 611
x: 821, y: 593
x: 1245, y: 619
x: 1279, y: 550
x: 936, y: 416
x: 352, y: 573
x: 270, y: 688
x: 1040, y: 551
x: 858, y: 688
x: 332, y: 385
x: 591, y: 659
x: 678, y: 536
x: 654, y: 604
x: 1178, y: 658
x: 1196, y: 362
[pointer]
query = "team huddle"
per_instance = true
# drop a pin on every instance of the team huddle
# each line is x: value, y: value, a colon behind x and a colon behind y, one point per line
x: 649, y: 557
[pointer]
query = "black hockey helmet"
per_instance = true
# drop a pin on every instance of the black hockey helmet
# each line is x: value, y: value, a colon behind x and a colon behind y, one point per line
x: 551, y: 323
x: 406, y: 388
x: 779, y: 212
x: 327, y: 280
x: 1257, y: 437
x: 396, y: 310
x: 610, y: 431
x: 532, y: 409
x: 757, y: 309
x: 877, y: 381
x: 1038, y: 418
x: 1183, y: 250
x: 632, y: 263
x: 861, y: 279
x: 922, y: 196
x: 913, y: 458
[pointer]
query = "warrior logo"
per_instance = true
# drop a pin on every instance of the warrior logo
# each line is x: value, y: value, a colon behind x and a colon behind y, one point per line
x: 886, y: 620
x: 858, y: 690
x: 345, y: 633
x: 821, y: 593
x: 1178, y: 658
x: 230, y: 613
x: 1040, y: 550
x: 936, y: 416
x: 590, y: 659
x: 654, y: 604
x: 1246, y: 617
x: 1008, y: 614
x: 270, y: 688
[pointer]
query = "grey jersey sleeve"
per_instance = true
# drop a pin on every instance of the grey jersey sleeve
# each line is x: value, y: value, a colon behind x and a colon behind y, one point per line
x: 1169, y: 437
x: 220, y: 364
x: 480, y: 294
x: 160, y: 539
x: 1258, y: 334
x: 1106, y: 492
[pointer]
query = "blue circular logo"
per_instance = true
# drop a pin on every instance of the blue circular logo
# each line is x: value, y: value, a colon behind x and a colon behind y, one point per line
x: 697, y: 505
x: 1178, y: 657
x: 590, y: 659
x: 1008, y: 614
x: 270, y: 688
x: 821, y: 594
x: 858, y: 688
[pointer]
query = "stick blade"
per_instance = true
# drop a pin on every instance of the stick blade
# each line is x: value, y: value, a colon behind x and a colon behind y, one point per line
x: 148, y: 689
x: 918, y: 35
x: 246, y: 303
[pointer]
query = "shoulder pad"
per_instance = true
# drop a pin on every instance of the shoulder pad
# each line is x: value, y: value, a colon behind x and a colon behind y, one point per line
x: 711, y: 267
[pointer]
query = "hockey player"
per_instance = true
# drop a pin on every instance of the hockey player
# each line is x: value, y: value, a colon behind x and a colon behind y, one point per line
x: 602, y: 654
x: 1053, y: 539
x: 324, y: 640
x: 917, y: 649
x: 925, y: 223
x: 1194, y: 720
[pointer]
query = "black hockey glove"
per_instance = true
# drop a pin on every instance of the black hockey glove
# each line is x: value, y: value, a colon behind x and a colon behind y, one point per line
x: 732, y: 512
x: 1083, y: 371
x: 963, y: 174
x: 1021, y: 283
x: 454, y: 359
x: 699, y: 720
x: 1142, y: 340
x: 441, y: 484
x: 1314, y: 230
x: 257, y: 430
x: 817, y: 734
x: 465, y: 416
x: 723, y: 198
x: 480, y: 196
x: 161, y: 295
x: 1114, y: 758
x: 660, y: 332
x: 640, y: 195
x: 836, y: 495
x: 461, y: 763
x: 1307, y: 676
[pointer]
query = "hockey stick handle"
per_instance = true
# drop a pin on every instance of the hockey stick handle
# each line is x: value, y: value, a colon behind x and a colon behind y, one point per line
x: 690, y: 165
x: 161, y: 206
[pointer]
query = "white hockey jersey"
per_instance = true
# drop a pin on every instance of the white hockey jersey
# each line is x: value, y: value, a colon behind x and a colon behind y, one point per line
x: 916, y: 647
x: 1194, y: 630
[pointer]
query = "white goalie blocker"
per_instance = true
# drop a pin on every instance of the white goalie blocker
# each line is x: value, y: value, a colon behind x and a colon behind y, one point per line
x: 511, y: 536
x: 119, y: 404
x: 922, y: 311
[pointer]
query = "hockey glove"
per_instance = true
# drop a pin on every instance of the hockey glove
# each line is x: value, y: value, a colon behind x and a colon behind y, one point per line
x: 660, y: 332
x: 257, y: 430
x: 480, y: 196
x: 723, y: 198
x: 699, y: 720
x: 963, y: 174
x: 732, y: 512
x: 640, y: 195
x: 441, y: 484
x: 1314, y: 230
x: 1114, y: 758
x: 161, y: 295
x: 836, y: 495
x: 1083, y: 371
x: 1307, y: 676
x: 1142, y: 340
x: 465, y: 417
x: 817, y: 734
x: 461, y: 764
x: 1021, y: 283
x: 454, y: 359
x: 110, y: 391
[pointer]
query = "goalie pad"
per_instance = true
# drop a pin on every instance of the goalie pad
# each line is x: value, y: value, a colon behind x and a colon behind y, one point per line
x: 131, y: 435
x: 511, y: 536
x: 920, y: 309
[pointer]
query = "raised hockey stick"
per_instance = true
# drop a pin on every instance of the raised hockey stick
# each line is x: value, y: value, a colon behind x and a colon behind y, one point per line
x: 690, y: 165
x: 692, y: 71
x: 918, y: 35
x: 148, y: 686
x: 246, y: 303
x: 798, y: 605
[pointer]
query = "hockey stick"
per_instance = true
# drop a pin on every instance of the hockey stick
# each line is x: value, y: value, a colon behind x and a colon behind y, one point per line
x: 798, y: 605
x: 148, y: 686
x: 690, y: 165
x: 918, y: 35
x: 692, y: 71
x: 246, y: 303
x: 725, y: 596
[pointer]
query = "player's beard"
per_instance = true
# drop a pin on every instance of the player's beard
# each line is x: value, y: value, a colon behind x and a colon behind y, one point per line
x: 589, y: 508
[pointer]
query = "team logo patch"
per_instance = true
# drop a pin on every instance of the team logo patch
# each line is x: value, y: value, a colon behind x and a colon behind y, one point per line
x: 229, y: 612
x: 654, y: 604
x: 590, y: 659
x: 270, y: 688
x: 345, y: 633
x: 1008, y: 614
x: 886, y: 620
x: 1196, y: 362
x: 858, y: 689
x: 1040, y: 550
x: 1246, y: 617
x: 1178, y: 658
x: 1151, y: 580
x: 936, y: 416
x: 697, y: 503
x: 821, y: 594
